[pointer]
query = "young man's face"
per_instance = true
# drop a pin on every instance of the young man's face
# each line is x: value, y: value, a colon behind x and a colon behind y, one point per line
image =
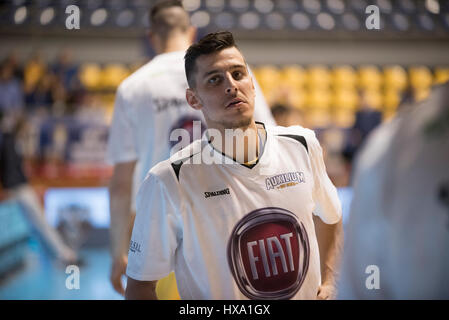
x: 224, y: 90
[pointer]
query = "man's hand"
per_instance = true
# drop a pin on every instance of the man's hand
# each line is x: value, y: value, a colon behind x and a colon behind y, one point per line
x: 330, y: 242
x: 326, y: 292
x: 118, y: 269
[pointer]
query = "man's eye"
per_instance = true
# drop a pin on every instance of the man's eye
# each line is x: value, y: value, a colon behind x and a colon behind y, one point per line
x: 238, y: 75
x: 213, y: 80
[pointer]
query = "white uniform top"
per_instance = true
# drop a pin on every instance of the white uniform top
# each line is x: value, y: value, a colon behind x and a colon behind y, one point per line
x: 149, y: 104
x: 397, y: 236
x: 233, y: 232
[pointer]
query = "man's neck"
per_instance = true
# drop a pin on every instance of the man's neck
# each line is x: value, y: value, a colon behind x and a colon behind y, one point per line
x: 240, y: 144
x: 174, y: 44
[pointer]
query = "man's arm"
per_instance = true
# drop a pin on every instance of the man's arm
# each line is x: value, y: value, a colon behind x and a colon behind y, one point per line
x: 140, y: 290
x: 330, y: 242
x: 122, y: 220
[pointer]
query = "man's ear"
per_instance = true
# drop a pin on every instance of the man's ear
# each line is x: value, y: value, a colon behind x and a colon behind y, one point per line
x: 252, y: 84
x: 193, y: 100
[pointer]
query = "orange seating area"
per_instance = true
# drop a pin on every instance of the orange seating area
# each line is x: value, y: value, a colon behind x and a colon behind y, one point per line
x: 327, y: 95
x: 104, y: 80
x: 330, y: 95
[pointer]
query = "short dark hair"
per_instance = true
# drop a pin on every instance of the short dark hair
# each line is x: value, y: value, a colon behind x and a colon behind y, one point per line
x: 211, y: 43
x: 164, y: 23
x: 279, y: 110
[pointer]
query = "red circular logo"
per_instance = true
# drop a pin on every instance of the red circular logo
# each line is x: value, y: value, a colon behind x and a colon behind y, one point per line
x: 268, y: 254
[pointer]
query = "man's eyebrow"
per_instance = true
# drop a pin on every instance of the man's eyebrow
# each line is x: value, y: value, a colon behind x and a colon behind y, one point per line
x: 235, y: 66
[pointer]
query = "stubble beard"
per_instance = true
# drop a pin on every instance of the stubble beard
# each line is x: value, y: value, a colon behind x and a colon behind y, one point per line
x: 240, y: 123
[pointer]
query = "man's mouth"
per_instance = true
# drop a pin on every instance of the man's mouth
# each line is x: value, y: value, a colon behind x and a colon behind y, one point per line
x: 234, y: 103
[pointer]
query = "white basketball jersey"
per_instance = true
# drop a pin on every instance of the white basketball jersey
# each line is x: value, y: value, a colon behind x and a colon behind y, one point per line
x: 230, y: 231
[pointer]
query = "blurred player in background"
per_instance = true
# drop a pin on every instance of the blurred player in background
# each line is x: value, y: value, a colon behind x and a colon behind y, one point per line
x: 397, y: 243
x: 149, y: 105
x: 287, y: 116
x: 210, y: 221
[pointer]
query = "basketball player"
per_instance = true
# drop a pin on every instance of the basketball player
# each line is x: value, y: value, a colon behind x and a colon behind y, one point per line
x: 235, y: 223
x: 398, y: 229
x: 149, y: 105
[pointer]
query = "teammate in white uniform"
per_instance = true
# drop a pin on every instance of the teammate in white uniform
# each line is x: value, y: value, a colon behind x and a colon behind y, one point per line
x: 397, y: 244
x: 233, y: 226
x: 149, y: 105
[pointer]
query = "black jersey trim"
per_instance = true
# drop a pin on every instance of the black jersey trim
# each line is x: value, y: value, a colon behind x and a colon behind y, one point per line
x: 300, y: 139
x: 177, y: 168
x: 177, y: 165
x: 263, y: 124
x: 250, y: 166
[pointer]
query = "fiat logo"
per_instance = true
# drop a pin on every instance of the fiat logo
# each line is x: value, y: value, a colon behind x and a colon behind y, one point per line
x: 268, y: 254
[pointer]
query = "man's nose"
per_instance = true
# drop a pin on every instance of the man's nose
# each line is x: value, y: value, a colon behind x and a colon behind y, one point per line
x: 231, y: 86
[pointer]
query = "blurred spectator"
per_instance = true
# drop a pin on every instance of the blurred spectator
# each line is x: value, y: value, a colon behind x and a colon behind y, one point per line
x: 15, y: 184
x: 59, y: 100
x: 397, y: 239
x: 66, y: 71
x: 332, y: 142
x: 13, y: 60
x: 67, y: 85
x: 41, y: 96
x: 91, y: 110
x: 366, y: 120
x: 287, y: 116
x: 11, y: 94
x: 34, y: 72
x: 11, y: 173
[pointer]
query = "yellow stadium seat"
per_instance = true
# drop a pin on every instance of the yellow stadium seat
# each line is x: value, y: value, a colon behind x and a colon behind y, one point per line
x: 33, y: 72
x: 422, y: 94
x: 392, y: 98
x: 288, y: 97
x: 344, y: 118
x: 369, y: 77
x: 318, y: 118
x: 420, y: 77
x: 318, y: 77
x: 344, y: 77
x: 373, y: 98
x: 113, y: 75
x: 318, y: 99
x: 395, y: 77
x: 90, y: 76
x: 267, y: 77
x: 297, y: 99
x: 293, y: 77
x: 388, y: 114
x: 344, y: 98
x: 441, y: 75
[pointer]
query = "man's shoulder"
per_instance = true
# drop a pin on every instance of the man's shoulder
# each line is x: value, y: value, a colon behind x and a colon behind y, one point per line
x: 169, y: 169
x: 140, y: 78
x: 297, y: 129
x: 297, y: 132
x: 134, y: 80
